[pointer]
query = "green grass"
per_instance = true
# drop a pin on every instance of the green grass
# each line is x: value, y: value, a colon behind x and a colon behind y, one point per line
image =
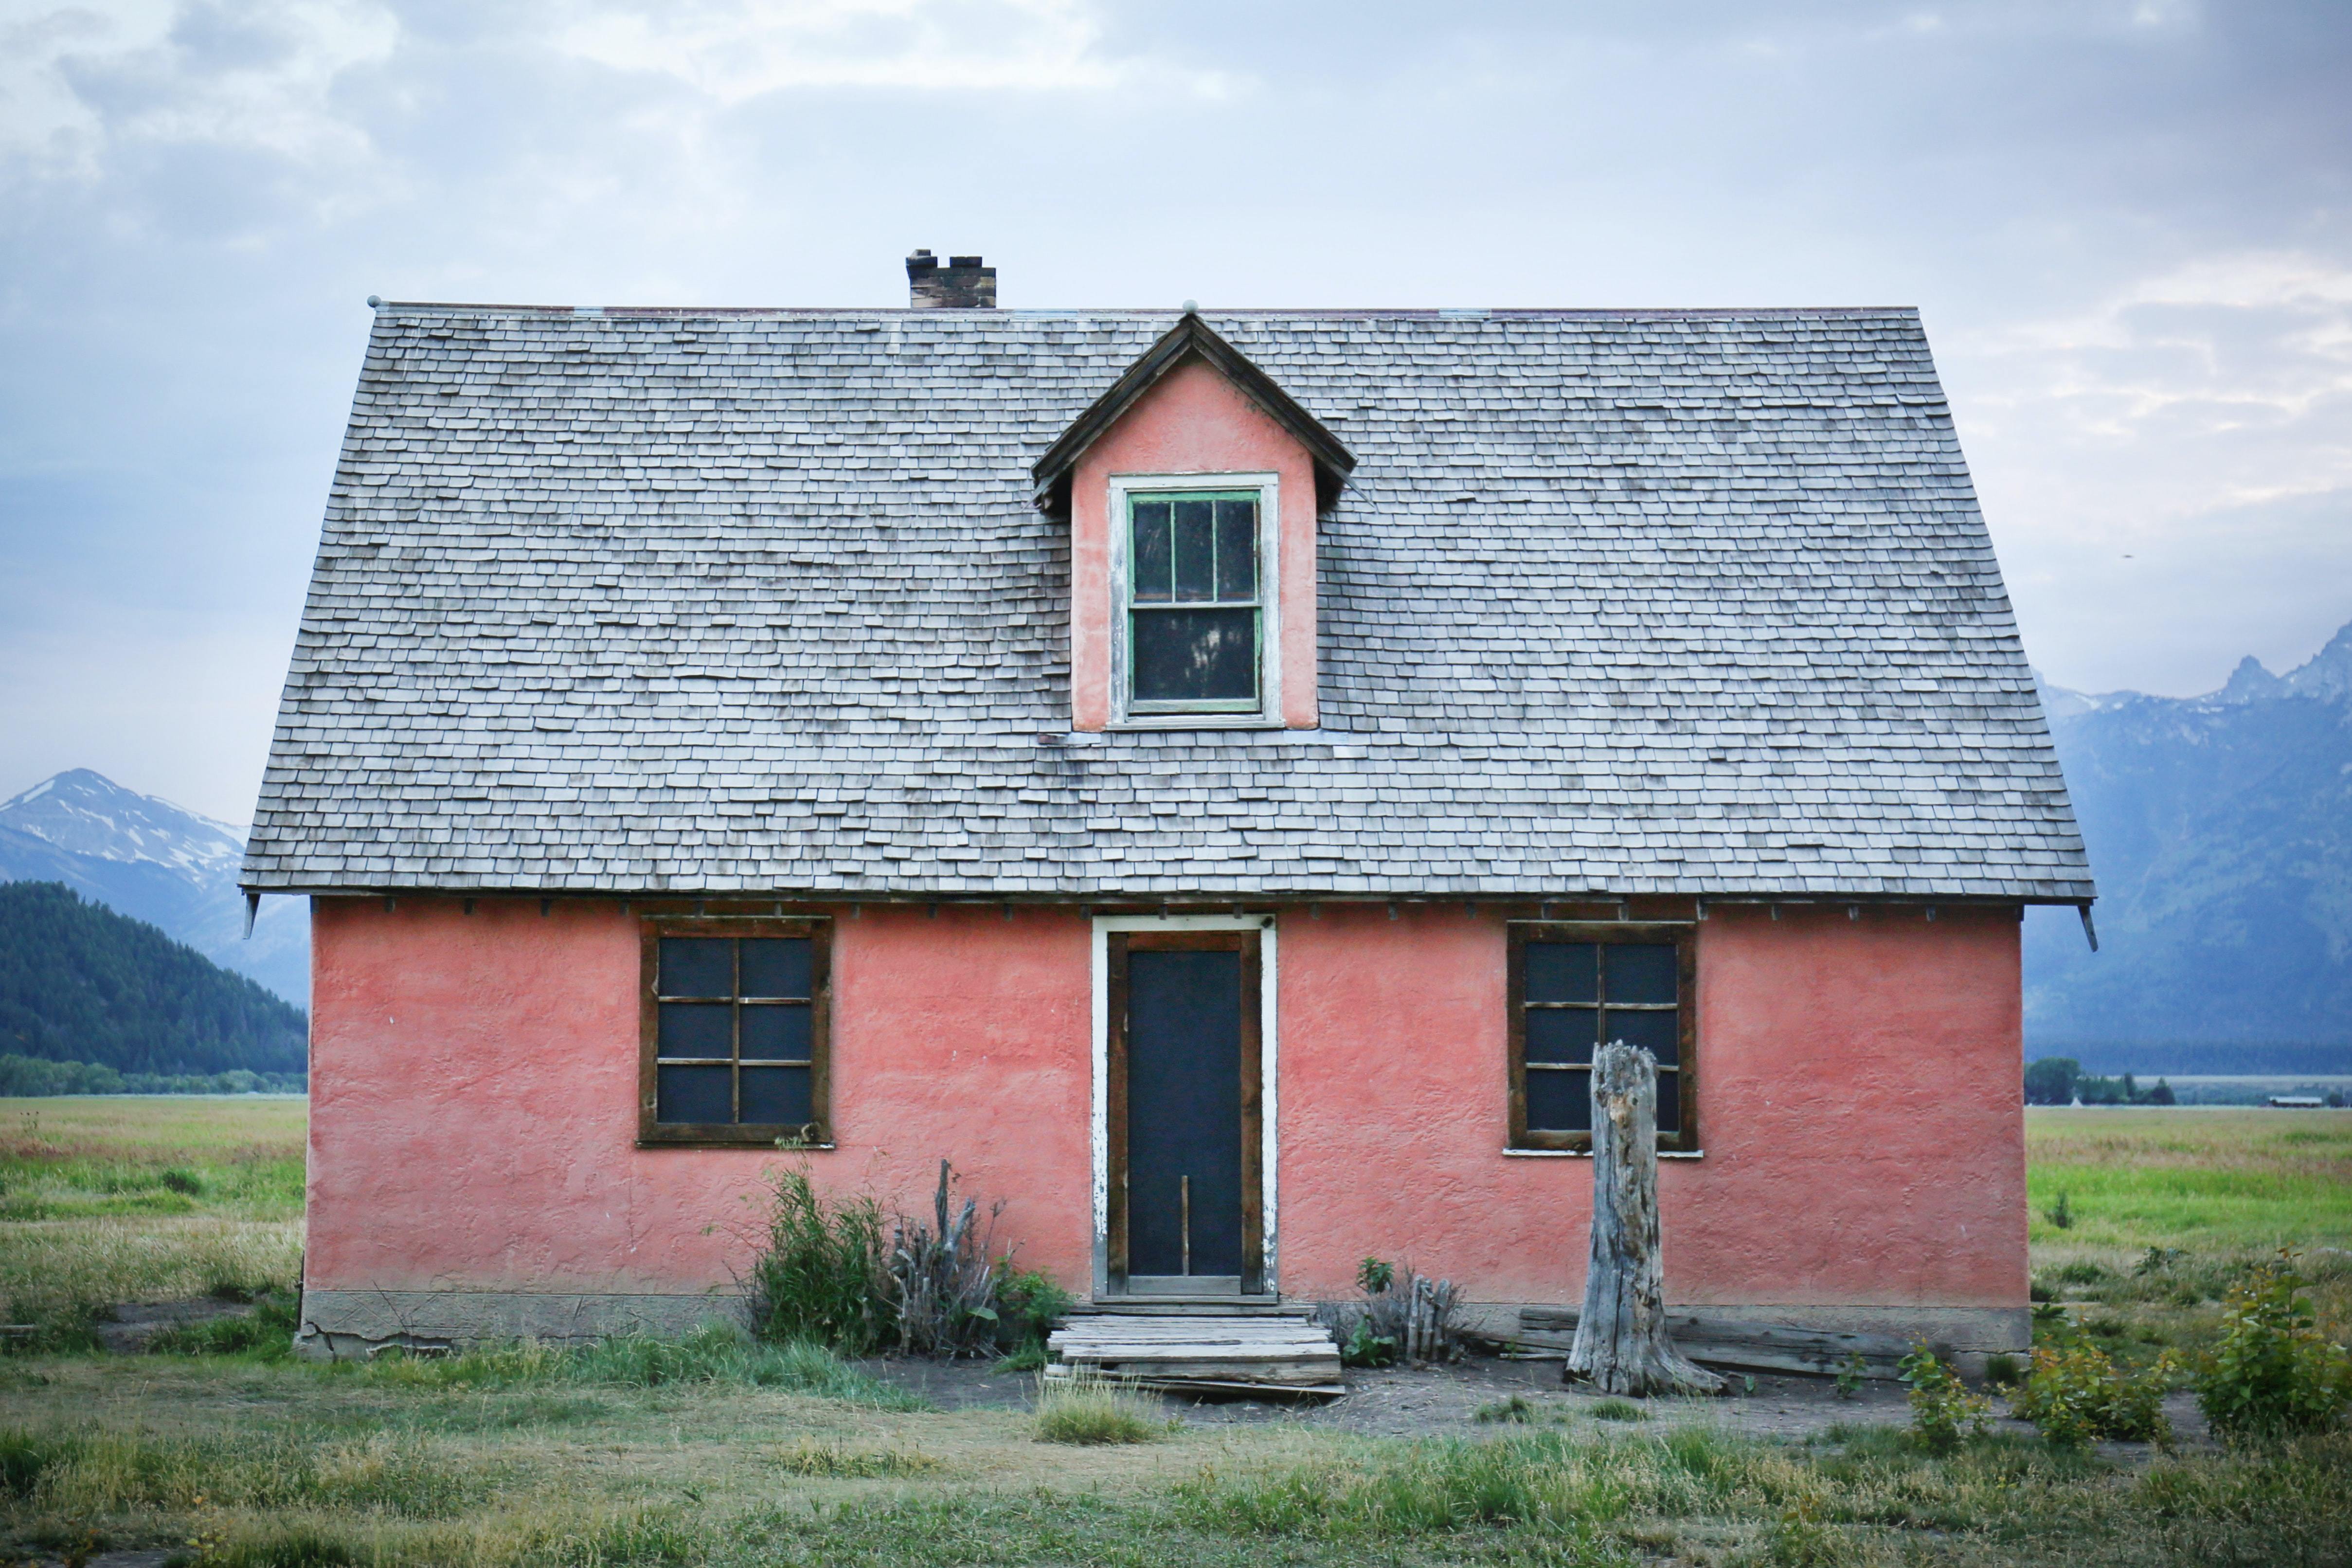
x: 2243, y: 1180
x: 1087, y: 1411
x: 112, y: 1199
x: 714, y: 1452
x: 715, y: 1353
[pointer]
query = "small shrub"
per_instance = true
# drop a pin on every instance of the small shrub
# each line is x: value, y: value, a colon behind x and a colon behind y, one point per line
x: 1941, y: 1404
x: 2158, y: 1260
x: 1851, y: 1375
x: 820, y: 1277
x: 2271, y: 1373
x: 1088, y: 1411
x: 1614, y: 1409
x: 810, y: 1458
x: 1029, y: 1357
x: 2003, y: 1371
x: 2061, y: 1214
x: 2076, y: 1394
x: 943, y: 1278
x: 1404, y: 1316
x: 1517, y: 1408
x: 1029, y: 1305
x: 1364, y: 1348
x: 182, y: 1181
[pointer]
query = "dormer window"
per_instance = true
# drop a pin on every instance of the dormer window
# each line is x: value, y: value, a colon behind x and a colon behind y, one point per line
x: 1193, y: 487
x: 1196, y: 626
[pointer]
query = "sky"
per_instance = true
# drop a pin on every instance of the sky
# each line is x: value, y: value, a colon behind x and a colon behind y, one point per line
x: 2127, y: 222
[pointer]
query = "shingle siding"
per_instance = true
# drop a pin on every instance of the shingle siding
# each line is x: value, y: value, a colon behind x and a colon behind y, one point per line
x: 1658, y: 602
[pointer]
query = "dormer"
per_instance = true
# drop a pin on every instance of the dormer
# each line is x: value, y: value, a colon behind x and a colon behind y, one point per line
x: 1193, y: 488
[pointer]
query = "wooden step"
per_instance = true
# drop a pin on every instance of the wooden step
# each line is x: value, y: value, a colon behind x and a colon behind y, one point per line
x: 1227, y: 1353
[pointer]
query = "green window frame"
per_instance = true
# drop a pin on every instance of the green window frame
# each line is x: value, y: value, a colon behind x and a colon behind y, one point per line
x: 1576, y: 984
x: 1195, y: 611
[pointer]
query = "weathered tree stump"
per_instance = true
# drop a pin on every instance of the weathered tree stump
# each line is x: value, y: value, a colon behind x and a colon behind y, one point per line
x: 1622, y: 1346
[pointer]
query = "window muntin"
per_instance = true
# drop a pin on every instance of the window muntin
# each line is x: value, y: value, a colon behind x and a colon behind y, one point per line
x: 1195, y: 615
x: 734, y: 1032
x: 1574, y: 986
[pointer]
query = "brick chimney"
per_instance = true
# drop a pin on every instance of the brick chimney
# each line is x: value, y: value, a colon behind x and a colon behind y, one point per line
x: 964, y: 284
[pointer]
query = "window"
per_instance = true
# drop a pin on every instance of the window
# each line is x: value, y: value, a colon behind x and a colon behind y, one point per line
x: 733, y: 1028
x: 1195, y: 601
x: 1576, y: 986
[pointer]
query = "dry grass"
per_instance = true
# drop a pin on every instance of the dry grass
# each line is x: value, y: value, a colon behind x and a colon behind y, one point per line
x: 1093, y: 1411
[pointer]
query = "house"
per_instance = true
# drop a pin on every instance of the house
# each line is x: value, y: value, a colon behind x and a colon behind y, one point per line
x: 1212, y: 775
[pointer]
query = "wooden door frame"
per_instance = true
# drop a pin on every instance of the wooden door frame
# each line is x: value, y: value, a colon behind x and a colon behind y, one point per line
x: 1253, y: 937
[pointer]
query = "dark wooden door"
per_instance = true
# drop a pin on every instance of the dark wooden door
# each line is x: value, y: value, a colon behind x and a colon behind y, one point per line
x: 1185, y: 1209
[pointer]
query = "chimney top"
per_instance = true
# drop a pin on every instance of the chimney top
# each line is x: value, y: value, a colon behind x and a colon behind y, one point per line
x: 964, y: 284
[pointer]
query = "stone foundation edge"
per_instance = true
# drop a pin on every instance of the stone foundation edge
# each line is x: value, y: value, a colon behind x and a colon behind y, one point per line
x: 345, y: 1324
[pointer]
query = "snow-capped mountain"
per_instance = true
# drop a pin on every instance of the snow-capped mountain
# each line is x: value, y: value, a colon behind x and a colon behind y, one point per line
x: 2218, y: 831
x: 154, y: 861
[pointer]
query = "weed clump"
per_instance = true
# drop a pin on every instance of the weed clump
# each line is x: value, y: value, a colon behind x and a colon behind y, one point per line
x: 267, y: 1333
x: 1616, y: 1410
x: 2076, y: 1394
x: 2271, y: 1373
x: 1089, y: 1411
x: 1517, y: 1409
x: 810, y: 1458
x: 821, y: 1276
x: 1941, y: 1404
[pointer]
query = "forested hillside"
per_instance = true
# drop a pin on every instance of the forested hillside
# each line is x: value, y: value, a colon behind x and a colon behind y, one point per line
x: 79, y: 982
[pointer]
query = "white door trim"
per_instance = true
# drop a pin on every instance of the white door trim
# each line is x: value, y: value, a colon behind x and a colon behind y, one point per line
x: 1269, y: 1053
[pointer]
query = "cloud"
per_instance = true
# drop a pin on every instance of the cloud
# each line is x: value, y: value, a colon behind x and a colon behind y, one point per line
x: 733, y: 50
x: 84, y: 82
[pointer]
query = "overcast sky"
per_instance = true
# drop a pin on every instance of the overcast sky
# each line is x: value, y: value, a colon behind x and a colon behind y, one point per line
x: 2127, y: 221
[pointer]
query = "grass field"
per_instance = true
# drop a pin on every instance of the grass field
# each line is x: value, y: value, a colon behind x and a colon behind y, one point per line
x: 129, y: 1198
x: 717, y: 1452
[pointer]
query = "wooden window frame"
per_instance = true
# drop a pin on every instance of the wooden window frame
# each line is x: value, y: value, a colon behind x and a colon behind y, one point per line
x: 1118, y: 944
x: 814, y: 1133
x: 1126, y: 713
x: 1684, y: 937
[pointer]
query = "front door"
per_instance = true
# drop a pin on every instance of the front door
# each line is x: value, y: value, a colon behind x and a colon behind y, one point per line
x: 1185, y: 1215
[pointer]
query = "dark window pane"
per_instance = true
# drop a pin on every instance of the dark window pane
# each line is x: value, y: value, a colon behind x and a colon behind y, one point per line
x: 1151, y: 557
x: 697, y: 1029
x: 1562, y: 1034
x: 1658, y: 1033
x: 776, y: 966
x: 776, y: 1096
x: 779, y: 1033
x: 1237, y: 550
x: 1195, y: 656
x: 697, y: 966
x: 1640, y: 972
x: 695, y: 1094
x: 1195, y: 549
x: 1670, y: 1102
x: 1562, y: 972
x: 1560, y: 1099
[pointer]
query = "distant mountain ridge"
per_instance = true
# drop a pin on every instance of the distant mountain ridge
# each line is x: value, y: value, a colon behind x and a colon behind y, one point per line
x: 80, y: 982
x: 145, y: 857
x: 2220, y: 830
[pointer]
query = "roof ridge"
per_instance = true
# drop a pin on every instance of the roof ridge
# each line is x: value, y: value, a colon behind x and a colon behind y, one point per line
x: 1416, y: 312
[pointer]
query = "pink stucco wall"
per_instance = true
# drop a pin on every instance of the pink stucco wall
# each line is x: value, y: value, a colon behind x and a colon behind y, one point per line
x: 474, y: 1085
x: 1194, y: 422
x: 474, y: 1079
x: 1859, y: 1103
